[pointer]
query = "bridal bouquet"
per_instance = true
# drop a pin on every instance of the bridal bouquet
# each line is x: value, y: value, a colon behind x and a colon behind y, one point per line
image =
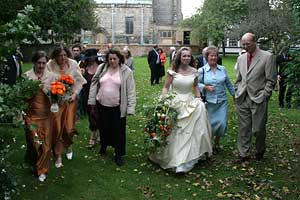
x: 162, y: 118
x: 60, y: 91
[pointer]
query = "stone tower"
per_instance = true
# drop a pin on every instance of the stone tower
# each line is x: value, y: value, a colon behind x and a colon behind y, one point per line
x: 166, y: 12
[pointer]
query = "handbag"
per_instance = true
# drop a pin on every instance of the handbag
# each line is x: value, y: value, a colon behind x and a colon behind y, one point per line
x: 203, y: 94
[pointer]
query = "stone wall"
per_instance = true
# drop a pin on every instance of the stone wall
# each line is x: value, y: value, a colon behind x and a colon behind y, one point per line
x: 142, y: 50
x: 142, y: 16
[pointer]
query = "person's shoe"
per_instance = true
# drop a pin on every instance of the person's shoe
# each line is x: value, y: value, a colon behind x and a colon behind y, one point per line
x: 119, y: 161
x: 69, y: 153
x: 42, y: 177
x: 91, y: 144
x: 241, y: 160
x: 259, y: 156
x: 216, y: 150
x: 102, y: 151
x: 58, y: 163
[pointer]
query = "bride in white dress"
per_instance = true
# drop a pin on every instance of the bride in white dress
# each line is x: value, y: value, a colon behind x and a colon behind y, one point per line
x: 192, y: 139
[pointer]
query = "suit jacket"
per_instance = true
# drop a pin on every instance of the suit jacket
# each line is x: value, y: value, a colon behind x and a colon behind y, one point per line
x: 201, y: 61
x: 259, y: 81
x: 12, y: 72
x: 152, y: 58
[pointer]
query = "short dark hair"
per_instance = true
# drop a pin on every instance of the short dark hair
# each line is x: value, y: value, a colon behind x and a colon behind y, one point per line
x: 59, y: 48
x: 117, y: 52
x: 37, y: 55
x: 76, y: 46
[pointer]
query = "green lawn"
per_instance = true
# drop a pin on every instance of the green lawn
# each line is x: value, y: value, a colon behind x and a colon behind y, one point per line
x: 89, y: 177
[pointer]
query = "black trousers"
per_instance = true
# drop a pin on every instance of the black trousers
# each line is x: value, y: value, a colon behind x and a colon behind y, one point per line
x: 284, y: 91
x: 112, y: 129
x: 155, y: 74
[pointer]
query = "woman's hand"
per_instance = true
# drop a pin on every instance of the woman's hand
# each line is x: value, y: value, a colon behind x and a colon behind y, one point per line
x: 73, y: 97
x: 209, y: 88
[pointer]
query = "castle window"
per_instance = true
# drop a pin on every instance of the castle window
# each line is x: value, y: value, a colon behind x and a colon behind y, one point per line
x: 129, y: 25
x: 165, y: 34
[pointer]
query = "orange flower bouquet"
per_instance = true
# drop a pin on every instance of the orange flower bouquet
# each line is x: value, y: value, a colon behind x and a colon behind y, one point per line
x: 57, y: 90
x: 60, y: 91
x: 68, y: 81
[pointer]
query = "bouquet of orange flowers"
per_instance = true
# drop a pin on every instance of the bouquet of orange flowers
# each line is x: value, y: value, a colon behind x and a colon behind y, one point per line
x: 60, y: 91
x: 162, y: 118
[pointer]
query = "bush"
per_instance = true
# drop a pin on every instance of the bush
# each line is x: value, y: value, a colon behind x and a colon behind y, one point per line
x: 293, y: 76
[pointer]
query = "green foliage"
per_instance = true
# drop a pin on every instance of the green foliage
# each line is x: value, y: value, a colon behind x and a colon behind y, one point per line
x: 9, y: 9
x: 63, y: 17
x: 215, y: 18
x: 13, y: 98
x: 276, y: 23
x: 8, y: 180
x: 13, y: 33
x: 293, y: 73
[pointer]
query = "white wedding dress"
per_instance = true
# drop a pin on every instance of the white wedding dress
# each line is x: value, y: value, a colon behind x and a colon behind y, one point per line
x: 192, y: 139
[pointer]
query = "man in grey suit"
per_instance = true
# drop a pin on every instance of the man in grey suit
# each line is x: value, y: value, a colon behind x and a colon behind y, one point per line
x: 256, y: 78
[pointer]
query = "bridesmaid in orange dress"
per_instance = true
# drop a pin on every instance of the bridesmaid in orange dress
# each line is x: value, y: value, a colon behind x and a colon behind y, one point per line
x: 64, y: 120
x: 38, y: 114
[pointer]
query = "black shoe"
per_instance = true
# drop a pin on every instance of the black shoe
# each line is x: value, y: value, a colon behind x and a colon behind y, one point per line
x: 259, y: 156
x: 119, y: 161
x: 102, y: 151
x: 241, y: 160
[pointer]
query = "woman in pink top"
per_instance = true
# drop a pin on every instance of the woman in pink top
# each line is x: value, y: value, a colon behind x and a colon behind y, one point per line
x: 112, y: 95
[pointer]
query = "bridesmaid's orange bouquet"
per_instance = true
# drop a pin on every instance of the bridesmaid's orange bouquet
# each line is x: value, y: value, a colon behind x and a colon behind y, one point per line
x: 60, y: 91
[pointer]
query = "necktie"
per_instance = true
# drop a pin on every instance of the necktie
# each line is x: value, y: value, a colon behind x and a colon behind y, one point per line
x: 249, y: 60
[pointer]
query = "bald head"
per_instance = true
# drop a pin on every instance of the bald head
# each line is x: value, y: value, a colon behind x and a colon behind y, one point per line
x: 248, y: 42
x: 249, y: 36
x: 204, y: 50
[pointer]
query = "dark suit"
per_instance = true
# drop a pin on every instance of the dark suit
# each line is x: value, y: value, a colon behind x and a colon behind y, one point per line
x: 253, y: 89
x: 202, y: 61
x: 12, y: 71
x: 281, y: 62
x: 153, y: 58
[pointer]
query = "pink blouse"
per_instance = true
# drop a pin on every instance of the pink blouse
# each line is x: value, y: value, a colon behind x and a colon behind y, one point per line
x: 109, y: 92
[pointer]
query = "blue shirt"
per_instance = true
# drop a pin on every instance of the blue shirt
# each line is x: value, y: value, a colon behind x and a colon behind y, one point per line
x: 219, y: 79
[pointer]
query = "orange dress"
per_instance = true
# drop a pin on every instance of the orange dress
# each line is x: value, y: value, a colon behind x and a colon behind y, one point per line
x: 64, y: 119
x: 163, y: 60
x: 39, y: 138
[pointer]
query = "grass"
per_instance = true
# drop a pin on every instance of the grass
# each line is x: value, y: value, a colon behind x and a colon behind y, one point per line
x: 89, y: 177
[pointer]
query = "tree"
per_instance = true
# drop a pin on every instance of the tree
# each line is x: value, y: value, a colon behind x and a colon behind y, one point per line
x: 61, y: 19
x: 215, y: 18
x: 13, y: 98
x: 58, y: 19
x: 9, y: 9
x: 273, y: 21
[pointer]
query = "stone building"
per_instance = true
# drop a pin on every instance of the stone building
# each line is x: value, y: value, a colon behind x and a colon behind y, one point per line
x: 138, y: 22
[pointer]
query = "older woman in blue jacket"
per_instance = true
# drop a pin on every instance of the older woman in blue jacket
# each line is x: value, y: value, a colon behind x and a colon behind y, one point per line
x: 213, y: 81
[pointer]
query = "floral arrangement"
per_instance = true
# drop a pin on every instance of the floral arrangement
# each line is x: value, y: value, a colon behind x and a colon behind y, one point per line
x: 60, y: 91
x: 162, y: 118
